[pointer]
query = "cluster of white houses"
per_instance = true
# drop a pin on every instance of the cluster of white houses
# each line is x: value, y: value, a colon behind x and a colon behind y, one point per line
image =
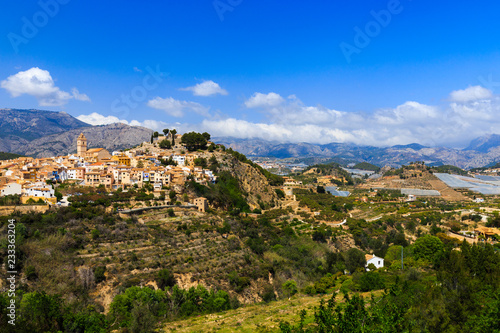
x: 95, y: 167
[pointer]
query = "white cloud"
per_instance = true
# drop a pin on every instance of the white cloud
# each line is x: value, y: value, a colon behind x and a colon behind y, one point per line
x: 39, y: 83
x: 472, y: 93
x: 206, y: 88
x: 98, y: 119
x: 156, y: 125
x: 78, y: 96
x: 264, y: 100
x: 175, y: 107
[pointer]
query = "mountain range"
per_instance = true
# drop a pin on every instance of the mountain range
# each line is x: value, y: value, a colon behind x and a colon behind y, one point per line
x: 481, y: 151
x: 40, y: 133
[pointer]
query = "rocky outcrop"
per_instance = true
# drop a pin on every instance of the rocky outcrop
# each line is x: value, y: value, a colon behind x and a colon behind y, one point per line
x: 251, y: 181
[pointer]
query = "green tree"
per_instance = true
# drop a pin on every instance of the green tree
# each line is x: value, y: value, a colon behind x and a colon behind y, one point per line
x: 201, y: 161
x: 99, y: 273
x: 280, y: 193
x: 206, y: 136
x: 165, y: 144
x: 428, y: 248
x: 354, y: 258
x: 393, y: 254
x: 289, y: 288
x: 41, y: 312
x: 193, y: 141
x: 165, y: 278
x: 165, y: 131
x: 173, y: 132
x: 371, y: 281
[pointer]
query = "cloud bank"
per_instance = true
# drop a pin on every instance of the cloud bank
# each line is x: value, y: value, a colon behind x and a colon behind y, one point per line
x: 468, y: 113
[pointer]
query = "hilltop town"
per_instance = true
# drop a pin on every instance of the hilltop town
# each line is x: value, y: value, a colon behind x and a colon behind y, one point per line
x: 164, y: 162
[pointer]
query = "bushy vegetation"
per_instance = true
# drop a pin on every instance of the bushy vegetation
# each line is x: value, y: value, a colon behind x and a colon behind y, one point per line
x: 194, y: 140
x: 366, y: 166
x: 139, y: 309
x: 274, y: 180
x: 11, y: 199
x: 464, y: 297
x: 225, y: 193
x: 8, y: 156
x: 449, y: 169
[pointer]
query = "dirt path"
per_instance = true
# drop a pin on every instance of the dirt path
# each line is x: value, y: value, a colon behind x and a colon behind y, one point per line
x: 461, y: 238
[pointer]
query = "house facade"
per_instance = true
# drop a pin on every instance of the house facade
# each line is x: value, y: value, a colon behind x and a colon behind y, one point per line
x: 373, y: 259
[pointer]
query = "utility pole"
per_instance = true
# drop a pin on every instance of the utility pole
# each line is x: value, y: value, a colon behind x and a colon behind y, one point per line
x: 402, y: 266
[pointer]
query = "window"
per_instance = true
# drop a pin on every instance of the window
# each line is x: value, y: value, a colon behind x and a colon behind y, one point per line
x: 379, y: 262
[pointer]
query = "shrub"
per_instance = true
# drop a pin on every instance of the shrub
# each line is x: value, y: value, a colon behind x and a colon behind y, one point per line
x: 289, y: 288
x: 371, y: 281
x: 99, y: 274
x: 268, y: 294
x: 165, y: 278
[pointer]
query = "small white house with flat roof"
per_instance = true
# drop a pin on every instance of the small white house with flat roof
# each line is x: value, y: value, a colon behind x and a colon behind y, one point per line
x: 373, y: 259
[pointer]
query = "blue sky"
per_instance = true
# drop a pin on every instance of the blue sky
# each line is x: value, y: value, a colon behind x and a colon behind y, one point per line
x: 277, y: 71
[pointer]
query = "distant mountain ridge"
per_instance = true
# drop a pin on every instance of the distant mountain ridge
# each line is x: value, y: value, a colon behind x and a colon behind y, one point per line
x: 42, y: 133
x: 18, y: 127
x: 471, y: 157
x: 484, y: 143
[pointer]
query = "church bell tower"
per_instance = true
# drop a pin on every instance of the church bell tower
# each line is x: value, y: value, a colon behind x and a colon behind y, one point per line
x: 81, y: 145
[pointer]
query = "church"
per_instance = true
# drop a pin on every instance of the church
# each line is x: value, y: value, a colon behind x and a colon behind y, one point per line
x: 96, y: 154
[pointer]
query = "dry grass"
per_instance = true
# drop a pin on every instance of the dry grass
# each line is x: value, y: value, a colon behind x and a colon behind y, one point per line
x: 251, y: 318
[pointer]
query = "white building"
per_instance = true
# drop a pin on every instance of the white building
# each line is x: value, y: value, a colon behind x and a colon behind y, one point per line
x: 40, y: 191
x: 11, y: 188
x: 181, y: 160
x: 373, y: 259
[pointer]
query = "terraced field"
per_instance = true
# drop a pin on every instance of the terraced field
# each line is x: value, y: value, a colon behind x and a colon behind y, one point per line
x: 190, y: 246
